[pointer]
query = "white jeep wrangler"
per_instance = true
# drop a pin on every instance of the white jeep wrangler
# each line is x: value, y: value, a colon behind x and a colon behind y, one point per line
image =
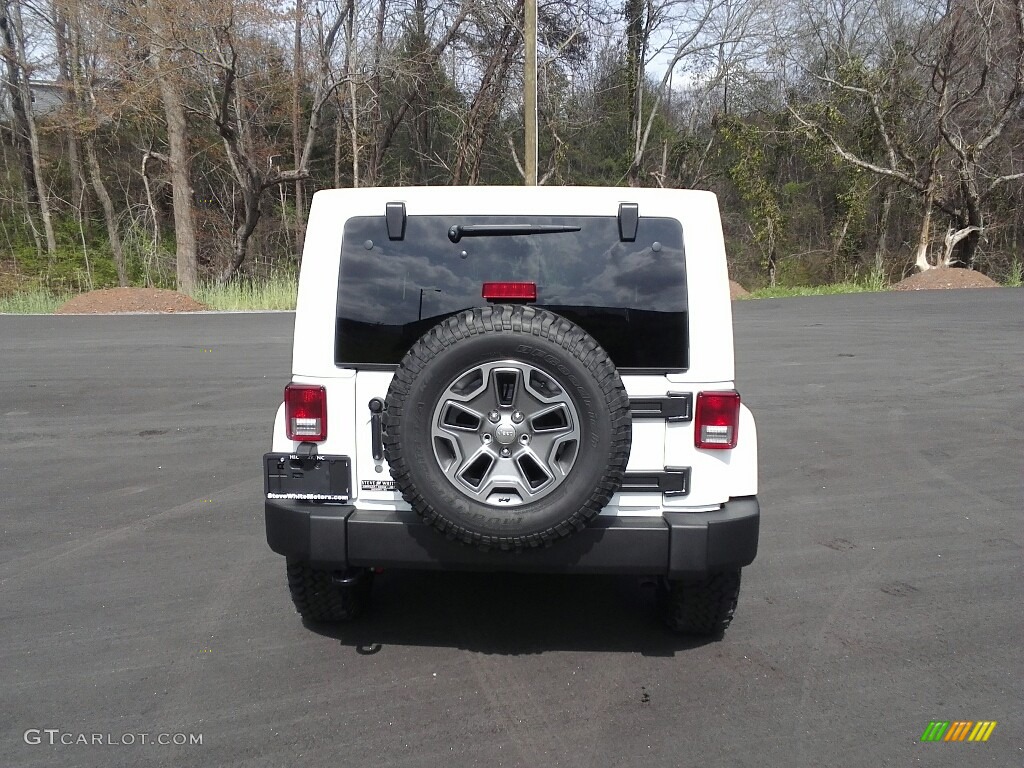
x: 514, y: 379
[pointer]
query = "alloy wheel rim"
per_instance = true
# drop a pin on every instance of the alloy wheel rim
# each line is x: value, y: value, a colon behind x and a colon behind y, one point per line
x: 505, y: 433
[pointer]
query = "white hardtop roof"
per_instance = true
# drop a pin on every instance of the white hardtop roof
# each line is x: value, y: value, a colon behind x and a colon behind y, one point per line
x: 514, y: 201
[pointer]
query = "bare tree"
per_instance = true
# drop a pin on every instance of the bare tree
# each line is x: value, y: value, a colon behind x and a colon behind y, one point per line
x: 79, y: 77
x: 19, y: 75
x: 969, y: 68
x: 297, y: 120
x: 697, y: 33
x: 162, y: 49
x: 407, y: 82
x: 234, y: 106
x: 65, y: 35
x: 500, y: 46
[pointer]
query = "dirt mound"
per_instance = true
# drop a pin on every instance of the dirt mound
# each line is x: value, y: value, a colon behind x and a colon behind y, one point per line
x: 944, y: 278
x: 113, y: 300
x: 737, y: 291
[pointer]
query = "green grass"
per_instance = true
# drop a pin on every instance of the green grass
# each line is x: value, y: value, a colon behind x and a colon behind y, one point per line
x: 873, y: 282
x: 1013, y: 279
x: 35, y: 301
x: 783, y: 291
x: 276, y: 293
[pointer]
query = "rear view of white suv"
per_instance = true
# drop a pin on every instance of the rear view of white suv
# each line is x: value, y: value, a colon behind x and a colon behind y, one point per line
x: 514, y: 379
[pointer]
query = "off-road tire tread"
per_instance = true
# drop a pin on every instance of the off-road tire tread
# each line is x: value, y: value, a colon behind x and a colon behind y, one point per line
x: 319, y: 598
x: 519, y: 319
x: 701, y: 608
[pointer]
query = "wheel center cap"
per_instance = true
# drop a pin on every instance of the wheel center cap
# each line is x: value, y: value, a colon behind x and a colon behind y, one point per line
x: 505, y: 434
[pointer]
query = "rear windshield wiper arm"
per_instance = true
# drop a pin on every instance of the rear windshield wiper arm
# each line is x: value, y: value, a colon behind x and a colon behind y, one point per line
x: 457, y: 231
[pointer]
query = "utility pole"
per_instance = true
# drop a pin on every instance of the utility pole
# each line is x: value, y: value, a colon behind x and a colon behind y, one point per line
x: 530, y: 91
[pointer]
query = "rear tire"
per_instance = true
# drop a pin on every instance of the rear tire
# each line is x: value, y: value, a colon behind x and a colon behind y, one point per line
x: 702, y: 608
x: 328, y: 596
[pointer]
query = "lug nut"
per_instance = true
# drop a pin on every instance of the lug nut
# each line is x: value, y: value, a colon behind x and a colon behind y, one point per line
x: 517, y: 417
x: 505, y: 453
x: 494, y: 417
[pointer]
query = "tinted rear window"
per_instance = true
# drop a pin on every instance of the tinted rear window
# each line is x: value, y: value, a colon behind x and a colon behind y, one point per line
x: 630, y: 296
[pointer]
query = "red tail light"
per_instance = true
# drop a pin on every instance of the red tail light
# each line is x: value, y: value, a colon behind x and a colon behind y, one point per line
x: 515, y: 291
x: 305, y: 412
x: 717, y: 420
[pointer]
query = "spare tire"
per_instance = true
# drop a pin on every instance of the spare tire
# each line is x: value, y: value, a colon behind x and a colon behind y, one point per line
x: 507, y: 427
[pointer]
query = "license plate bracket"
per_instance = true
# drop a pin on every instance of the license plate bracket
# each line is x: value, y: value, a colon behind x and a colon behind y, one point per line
x: 307, y: 478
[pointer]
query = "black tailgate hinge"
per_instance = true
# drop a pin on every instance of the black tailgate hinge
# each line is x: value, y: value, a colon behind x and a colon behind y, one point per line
x: 394, y: 214
x: 674, y: 481
x: 629, y: 219
x: 673, y: 407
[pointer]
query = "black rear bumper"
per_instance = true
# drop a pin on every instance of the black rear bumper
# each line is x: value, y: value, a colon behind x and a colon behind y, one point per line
x: 679, y: 545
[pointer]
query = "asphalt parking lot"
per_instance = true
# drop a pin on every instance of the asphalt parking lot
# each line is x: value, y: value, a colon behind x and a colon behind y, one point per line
x: 137, y: 593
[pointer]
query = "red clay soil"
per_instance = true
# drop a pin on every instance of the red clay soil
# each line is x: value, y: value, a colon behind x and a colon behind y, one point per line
x: 944, y: 278
x: 737, y: 291
x: 114, y: 300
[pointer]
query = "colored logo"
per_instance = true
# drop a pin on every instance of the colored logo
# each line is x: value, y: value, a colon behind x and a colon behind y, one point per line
x: 958, y: 730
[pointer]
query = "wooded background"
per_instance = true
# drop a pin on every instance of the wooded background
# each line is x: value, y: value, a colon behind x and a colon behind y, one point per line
x: 163, y: 142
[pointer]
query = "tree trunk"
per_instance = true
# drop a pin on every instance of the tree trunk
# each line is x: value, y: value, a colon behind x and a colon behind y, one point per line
x: 23, y: 199
x: 635, y: 55
x: 338, y: 144
x: 19, y: 125
x: 79, y: 199
x: 232, y: 120
x: 181, y: 185
x: 485, y: 107
x: 373, y: 170
x: 240, y: 238
x: 14, y: 41
x: 967, y: 248
x: 67, y: 69
x: 300, y: 188
x: 924, y: 237
x: 773, y: 256
x: 954, y: 238
x: 149, y: 200
x: 108, y: 211
x: 423, y: 143
x: 637, y: 31
x: 353, y: 123
x: 837, y: 245
x: 421, y: 133
x: 354, y: 133
x: 178, y: 156
x: 883, y: 228
x: 42, y: 193
x: 384, y: 130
